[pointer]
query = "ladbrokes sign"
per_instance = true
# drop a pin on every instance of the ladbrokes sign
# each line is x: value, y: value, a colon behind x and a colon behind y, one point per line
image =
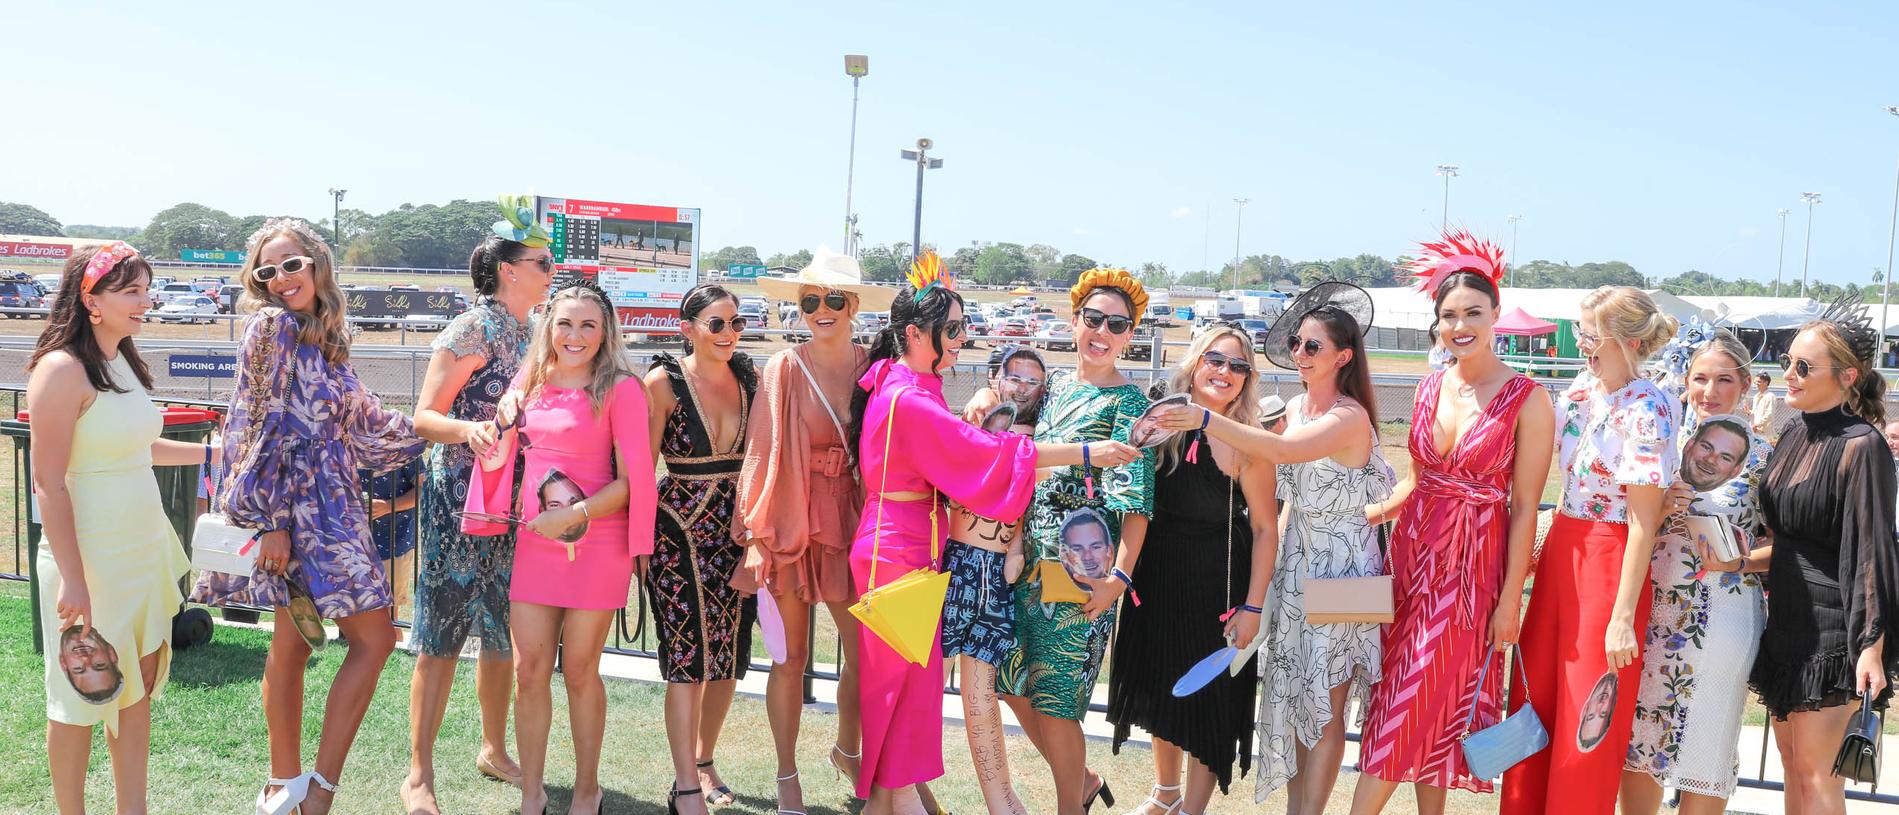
x: 22, y: 250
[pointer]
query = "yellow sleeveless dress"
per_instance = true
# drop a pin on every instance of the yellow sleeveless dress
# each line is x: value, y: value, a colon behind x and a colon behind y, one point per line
x: 131, y: 554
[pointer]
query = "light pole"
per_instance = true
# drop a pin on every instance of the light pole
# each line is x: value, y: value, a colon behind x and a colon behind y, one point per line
x: 921, y: 156
x: 1806, y: 254
x: 1449, y: 171
x: 856, y: 66
x: 336, y: 219
x: 1781, y: 261
x: 1891, y: 232
x: 1514, y: 260
x: 1238, y: 211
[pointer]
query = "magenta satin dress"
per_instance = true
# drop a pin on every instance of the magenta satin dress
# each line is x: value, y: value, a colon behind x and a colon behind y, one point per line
x: 993, y: 474
x: 563, y: 432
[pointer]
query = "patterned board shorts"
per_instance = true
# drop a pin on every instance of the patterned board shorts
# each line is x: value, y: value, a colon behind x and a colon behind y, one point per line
x: 979, y: 613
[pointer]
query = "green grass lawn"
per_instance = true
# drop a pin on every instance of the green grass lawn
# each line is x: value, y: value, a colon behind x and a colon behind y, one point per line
x: 209, y: 755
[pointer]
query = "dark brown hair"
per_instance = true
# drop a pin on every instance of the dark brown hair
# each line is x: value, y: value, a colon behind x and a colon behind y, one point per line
x: 69, y: 326
x: 1355, y: 378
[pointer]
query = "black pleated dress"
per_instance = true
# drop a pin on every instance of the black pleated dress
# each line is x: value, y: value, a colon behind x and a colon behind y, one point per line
x: 1833, y: 583
x: 1194, y: 566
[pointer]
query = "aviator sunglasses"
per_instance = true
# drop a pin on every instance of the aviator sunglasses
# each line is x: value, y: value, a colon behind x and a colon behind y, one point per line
x: 290, y: 265
x: 834, y: 301
x: 717, y: 325
x: 1222, y: 362
x: 546, y: 263
x: 1116, y: 323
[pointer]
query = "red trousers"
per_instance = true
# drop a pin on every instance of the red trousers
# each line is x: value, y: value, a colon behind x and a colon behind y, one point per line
x: 1563, y: 660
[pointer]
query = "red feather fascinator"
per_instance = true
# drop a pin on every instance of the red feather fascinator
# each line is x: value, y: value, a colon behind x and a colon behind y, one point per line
x: 1457, y: 251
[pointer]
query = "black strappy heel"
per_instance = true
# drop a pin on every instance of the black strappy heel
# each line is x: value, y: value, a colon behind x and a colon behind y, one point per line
x: 672, y: 798
x: 1106, y: 795
x: 723, y: 790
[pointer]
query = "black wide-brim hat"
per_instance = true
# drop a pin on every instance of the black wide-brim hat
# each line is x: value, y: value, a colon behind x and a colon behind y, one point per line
x: 1343, y: 297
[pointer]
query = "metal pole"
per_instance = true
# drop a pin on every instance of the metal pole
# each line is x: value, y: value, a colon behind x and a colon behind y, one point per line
x: 1445, y: 222
x: 1891, y: 232
x: 850, y: 174
x: 336, y: 221
x: 1238, y: 213
x: 1781, y: 262
x: 916, y: 230
x: 1514, y: 260
x: 1806, y: 254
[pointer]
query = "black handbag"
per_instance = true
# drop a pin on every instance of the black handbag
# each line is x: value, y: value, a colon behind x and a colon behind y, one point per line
x: 1858, y: 759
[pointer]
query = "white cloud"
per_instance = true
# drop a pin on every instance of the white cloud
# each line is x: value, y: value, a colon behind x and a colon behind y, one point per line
x: 1180, y: 212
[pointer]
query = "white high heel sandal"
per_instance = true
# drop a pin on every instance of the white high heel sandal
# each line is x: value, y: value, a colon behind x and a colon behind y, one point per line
x: 782, y: 779
x: 290, y: 793
x: 1166, y: 809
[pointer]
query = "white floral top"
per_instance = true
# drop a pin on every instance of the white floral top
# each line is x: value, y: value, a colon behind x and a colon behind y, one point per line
x: 1610, y: 441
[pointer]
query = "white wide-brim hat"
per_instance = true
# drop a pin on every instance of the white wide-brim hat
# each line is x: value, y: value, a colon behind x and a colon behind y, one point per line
x: 1271, y: 407
x: 830, y: 270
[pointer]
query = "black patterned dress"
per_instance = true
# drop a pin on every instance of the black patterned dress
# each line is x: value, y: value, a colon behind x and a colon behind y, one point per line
x: 704, y: 624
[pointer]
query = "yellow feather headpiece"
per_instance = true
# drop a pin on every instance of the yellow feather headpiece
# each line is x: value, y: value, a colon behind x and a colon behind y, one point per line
x: 1099, y: 278
x: 928, y: 270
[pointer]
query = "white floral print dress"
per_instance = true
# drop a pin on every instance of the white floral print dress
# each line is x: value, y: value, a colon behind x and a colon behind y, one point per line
x: 1299, y: 664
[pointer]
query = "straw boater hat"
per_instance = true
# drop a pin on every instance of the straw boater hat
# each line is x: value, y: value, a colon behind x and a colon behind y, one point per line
x: 1271, y: 407
x: 830, y: 270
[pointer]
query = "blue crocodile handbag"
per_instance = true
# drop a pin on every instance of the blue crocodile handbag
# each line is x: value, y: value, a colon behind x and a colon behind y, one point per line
x: 1500, y: 746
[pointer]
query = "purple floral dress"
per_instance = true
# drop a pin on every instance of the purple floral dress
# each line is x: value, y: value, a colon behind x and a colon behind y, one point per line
x: 299, y: 429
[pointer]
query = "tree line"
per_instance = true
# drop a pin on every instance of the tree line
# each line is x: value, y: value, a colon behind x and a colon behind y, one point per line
x: 432, y: 236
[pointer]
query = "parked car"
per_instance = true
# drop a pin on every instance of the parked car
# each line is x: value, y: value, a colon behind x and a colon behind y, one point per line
x: 1257, y: 329
x: 164, y: 294
x: 978, y: 325
x: 186, y: 308
x: 49, y: 283
x: 874, y: 320
x: 227, y: 298
x: 1056, y: 335
x: 1141, y: 345
x: 208, y: 286
x: 18, y: 293
x: 1013, y: 327
x: 754, y: 312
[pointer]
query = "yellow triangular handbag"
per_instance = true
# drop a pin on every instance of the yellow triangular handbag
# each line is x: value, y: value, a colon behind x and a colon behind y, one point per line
x: 905, y: 613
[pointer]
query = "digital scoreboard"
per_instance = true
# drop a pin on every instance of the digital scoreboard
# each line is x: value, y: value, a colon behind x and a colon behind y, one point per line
x: 646, y: 257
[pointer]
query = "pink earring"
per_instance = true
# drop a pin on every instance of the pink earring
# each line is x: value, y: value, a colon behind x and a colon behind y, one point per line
x: 96, y: 317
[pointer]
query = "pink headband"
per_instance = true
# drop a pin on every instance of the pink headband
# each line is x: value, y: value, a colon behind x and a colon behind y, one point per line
x: 103, y: 262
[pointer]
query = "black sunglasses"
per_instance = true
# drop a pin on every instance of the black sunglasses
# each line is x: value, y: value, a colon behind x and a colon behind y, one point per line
x: 954, y: 328
x: 1312, y: 347
x: 546, y: 263
x: 1801, y: 367
x: 294, y: 265
x: 835, y: 301
x: 1117, y: 324
x: 1222, y: 362
x: 717, y: 325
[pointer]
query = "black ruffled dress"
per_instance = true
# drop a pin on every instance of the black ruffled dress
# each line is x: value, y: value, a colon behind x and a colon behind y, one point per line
x: 1833, y: 584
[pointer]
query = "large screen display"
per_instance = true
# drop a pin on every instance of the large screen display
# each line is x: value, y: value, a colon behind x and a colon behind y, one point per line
x: 646, y: 257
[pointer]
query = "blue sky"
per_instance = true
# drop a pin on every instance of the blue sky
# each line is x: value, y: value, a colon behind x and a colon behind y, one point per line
x: 1661, y: 134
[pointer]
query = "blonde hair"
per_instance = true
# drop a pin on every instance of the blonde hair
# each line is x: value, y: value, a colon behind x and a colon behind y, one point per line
x: 1628, y: 313
x: 327, y: 326
x: 1245, y: 406
x: 1867, y: 396
x: 1726, y: 344
x: 610, y: 362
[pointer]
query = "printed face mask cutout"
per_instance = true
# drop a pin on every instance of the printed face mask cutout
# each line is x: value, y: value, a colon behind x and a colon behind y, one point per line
x: 91, y: 665
x: 1598, y: 711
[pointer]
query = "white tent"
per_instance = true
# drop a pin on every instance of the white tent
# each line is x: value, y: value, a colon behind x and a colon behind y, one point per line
x: 1757, y: 312
x: 1406, y: 307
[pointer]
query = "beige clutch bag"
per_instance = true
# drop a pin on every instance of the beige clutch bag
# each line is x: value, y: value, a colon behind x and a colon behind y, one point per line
x: 1349, y: 600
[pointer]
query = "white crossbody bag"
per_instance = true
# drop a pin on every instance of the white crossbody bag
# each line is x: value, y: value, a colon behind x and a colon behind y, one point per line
x: 216, y: 545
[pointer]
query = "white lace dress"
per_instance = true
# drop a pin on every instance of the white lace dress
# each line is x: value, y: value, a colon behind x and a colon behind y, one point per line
x: 1299, y: 664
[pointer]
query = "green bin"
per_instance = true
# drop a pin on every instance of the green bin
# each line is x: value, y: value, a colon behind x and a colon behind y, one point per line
x: 177, y: 488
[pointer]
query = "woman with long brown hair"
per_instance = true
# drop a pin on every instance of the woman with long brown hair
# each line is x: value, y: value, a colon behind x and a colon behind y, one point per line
x: 301, y: 425
x: 1332, y: 470
x: 1828, y: 500
x: 109, y: 562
